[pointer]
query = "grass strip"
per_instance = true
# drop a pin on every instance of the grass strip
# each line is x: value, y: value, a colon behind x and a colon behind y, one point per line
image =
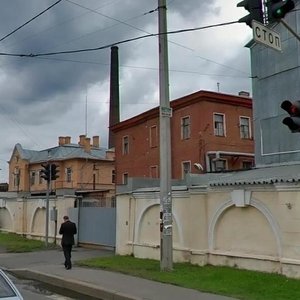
x: 232, y: 282
x: 15, y: 243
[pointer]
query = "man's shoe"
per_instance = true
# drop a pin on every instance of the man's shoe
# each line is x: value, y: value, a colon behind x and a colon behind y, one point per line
x: 68, y: 267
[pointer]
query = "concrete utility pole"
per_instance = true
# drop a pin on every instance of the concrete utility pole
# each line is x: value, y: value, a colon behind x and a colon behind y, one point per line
x: 166, y: 244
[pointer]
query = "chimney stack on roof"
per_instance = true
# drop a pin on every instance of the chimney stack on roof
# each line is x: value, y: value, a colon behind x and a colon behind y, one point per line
x: 67, y: 140
x: 96, y: 141
x: 61, y: 141
x: 64, y: 140
x: 244, y: 94
x: 87, y: 145
x: 81, y: 140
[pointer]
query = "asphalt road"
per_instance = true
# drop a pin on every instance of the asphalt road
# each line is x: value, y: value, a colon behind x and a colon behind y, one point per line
x: 32, y: 290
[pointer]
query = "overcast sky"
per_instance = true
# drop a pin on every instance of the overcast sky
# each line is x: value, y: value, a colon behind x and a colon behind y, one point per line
x: 47, y: 97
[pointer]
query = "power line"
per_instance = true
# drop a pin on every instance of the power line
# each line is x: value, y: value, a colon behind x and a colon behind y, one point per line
x: 117, y: 43
x: 30, y: 20
x: 152, y: 68
x: 59, y: 24
x: 103, y: 15
x: 127, y: 24
x: 134, y: 27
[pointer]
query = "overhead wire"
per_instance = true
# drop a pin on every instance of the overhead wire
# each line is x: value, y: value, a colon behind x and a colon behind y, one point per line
x: 59, y: 24
x: 21, y: 26
x: 117, y: 43
x: 144, y: 68
x: 134, y: 27
x: 121, y: 22
x: 102, y: 29
x: 106, y: 16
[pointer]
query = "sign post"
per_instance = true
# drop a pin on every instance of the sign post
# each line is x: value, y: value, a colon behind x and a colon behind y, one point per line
x: 266, y: 36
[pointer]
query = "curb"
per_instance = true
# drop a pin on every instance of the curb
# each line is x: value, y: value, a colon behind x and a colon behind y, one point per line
x: 84, y: 288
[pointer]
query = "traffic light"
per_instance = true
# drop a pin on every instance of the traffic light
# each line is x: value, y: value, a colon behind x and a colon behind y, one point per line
x: 255, y: 11
x: 277, y: 9
x: 45, y: 172
x: 54, y: 171
x: 293, y: 109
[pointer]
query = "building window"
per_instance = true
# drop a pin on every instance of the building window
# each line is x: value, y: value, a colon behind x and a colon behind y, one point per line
x: 69, y: 174
x: 185, y: 128
x: 219, y: 125
x: 40, y: 177
x: 153, y: 172
x: 113, y: 176
x: 247, y: 164
x: 153, y: 136
x: 32, y: 178
x: 125, y: 178
x: 16, y: 175
x: 186, y: 168
x: 219, y: 165
x: 125, y: 145
x: 245, y: 132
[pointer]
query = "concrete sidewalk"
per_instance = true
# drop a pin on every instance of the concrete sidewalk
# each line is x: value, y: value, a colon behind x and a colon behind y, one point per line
x: 47, y: 266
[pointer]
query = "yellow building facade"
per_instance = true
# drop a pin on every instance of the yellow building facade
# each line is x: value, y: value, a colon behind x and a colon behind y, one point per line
x: 83, y: 167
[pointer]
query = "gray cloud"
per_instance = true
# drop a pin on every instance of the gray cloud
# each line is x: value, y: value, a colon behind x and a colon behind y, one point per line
x: 43, y: 98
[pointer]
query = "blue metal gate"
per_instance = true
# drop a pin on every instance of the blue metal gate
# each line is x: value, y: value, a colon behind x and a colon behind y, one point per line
x: 97, y: 226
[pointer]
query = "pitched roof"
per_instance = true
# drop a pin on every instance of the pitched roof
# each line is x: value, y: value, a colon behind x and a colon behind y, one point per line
x: 196, y: 97
x: 64, y: 152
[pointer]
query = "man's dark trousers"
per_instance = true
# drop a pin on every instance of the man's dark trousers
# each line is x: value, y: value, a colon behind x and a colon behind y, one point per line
x: 67, y: 253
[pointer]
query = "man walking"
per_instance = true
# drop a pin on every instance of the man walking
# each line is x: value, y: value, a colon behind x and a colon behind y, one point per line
x: 68, y: 230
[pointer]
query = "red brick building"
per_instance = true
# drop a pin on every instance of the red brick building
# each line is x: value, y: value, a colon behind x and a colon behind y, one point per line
x: 209, y: 132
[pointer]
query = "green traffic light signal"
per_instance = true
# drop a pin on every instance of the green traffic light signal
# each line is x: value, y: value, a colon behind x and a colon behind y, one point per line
x: 278, y: 13
x: 277, y: 9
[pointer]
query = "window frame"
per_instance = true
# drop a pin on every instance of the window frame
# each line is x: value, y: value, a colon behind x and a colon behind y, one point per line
x: 244, y: 162
x: 68, y: 174
x: 183, y: 169
x: 243, y: 126
x: 32, y: 177
x: 153, y: 170
x: 40, y: 177
x: 113, y: 176
x: 185, y: 128
x: 125, y: 145
x: 125, y: 178
x: 213, y: 164
x: 17, y: 177
x: 153, y: 136
x: 217, y: 131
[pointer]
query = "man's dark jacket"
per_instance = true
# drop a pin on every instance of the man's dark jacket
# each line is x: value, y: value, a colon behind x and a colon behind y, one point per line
x: 67, y: 229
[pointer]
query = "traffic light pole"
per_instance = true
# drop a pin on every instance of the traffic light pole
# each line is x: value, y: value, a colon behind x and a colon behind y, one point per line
x: 47, y: 212
x: 166, y: 244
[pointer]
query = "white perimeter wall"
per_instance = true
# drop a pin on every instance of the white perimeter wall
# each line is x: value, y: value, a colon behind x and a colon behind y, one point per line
x: 256, y: 228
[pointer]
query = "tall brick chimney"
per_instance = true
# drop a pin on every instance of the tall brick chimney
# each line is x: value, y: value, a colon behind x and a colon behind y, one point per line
x: 114, y: 103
